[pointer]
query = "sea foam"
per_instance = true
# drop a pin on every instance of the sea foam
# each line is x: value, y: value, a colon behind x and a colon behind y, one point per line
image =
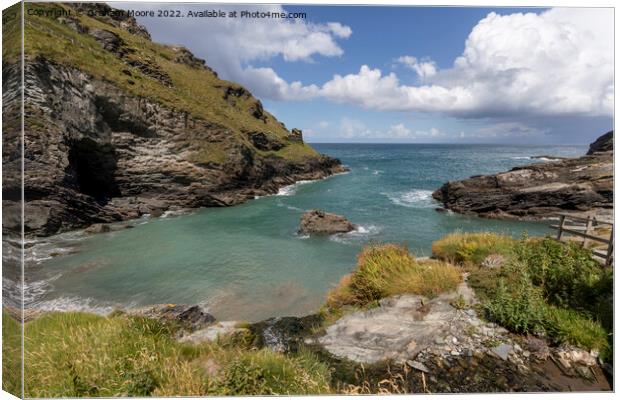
x: 415, y: 198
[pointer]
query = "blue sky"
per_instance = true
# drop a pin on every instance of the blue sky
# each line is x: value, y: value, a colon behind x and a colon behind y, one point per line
x: 416, y: 74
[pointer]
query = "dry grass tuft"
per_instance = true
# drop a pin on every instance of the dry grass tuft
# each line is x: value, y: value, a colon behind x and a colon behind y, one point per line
x: 471, y: 248
x: 387, y: 270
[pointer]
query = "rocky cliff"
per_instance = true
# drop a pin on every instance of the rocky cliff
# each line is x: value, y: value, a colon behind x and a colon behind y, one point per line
x: 117, y: 126
x: 536, y: 191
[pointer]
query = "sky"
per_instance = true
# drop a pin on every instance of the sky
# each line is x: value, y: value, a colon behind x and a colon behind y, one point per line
x: 414, y: 74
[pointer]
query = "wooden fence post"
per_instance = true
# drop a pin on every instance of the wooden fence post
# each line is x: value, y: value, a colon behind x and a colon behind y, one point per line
x: 561, y: 227
x: 588, y: 229
x: 610, y: 247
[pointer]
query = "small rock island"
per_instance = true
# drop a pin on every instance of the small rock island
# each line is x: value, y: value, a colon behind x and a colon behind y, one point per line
x: 318, y: 222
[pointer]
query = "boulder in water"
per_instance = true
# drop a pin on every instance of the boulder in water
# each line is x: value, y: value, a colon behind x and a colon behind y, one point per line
x: 318, y: 222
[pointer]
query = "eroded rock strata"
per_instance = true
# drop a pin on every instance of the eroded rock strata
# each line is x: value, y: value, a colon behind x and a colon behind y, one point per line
x: 143, y: 129
x: 537, y: 191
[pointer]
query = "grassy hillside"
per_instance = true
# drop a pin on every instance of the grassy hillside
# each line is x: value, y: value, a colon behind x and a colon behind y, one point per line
x: 84, y: 355
x: 193, y: 89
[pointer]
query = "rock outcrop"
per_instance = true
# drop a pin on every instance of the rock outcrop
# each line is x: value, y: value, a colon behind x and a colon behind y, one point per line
x: 537, y: 191
x: 190, y: 318
x: 318, y: 222
x: 442, y: 345
x: 143, y: 129
x: 603, y: 144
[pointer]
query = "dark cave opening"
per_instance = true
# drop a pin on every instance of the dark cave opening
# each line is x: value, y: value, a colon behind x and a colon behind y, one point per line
x: 92, y: 167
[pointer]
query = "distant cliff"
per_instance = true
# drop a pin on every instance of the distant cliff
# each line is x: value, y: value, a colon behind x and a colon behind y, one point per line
x: 536, y: 191
x: 117, y: 126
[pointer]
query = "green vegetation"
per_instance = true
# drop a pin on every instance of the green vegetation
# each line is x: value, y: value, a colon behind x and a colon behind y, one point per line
x: 11, y: 33
x: 194, y: 90
x: 387, y: 270
x: 471, y: 248
x: 265, y: 372
x: 11, y: 355
x: 78, y: 354
x: 542, y: 286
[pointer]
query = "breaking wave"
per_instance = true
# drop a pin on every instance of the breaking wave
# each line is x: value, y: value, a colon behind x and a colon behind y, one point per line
x: 416, y: 198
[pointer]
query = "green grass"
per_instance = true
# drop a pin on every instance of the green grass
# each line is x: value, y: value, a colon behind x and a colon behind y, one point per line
x: 265, y: 372
x: 568, y: 275
x: 387, y: 270
x: 543, y: 287
x: 11, y: 34
x: 78, y: 354
x: 471, y: 248
x: 11, y: 355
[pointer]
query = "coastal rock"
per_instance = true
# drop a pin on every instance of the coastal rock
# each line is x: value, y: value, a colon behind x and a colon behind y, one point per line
x: 439, y: 348
x: 213, y: 332
x: 97, y: 152
x: 191, y: 318
x: 97, y: 228
x: 114, y: 17
x: 602, y: 144
x: 318, y: 222
x: 536, y: 191
x: 284, y: 333
x: 387, y: 332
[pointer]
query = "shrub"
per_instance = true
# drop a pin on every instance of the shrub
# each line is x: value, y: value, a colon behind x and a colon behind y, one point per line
x: 521, y: 308
x: 567, y: 274
x: 542, y: 286
x: 471, y: 248
x: 386, y: 270
x: 568, y: 326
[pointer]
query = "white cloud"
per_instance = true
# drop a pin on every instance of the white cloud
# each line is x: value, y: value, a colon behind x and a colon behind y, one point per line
x: 353, y: 128
x: 558, y: 62
x: 350, y: 128
x: 399, y: 131
x: 342, y: 31
x: 323, y: 124
x: 507, y: 129
x: 424, y: 68
x: 231, y: 45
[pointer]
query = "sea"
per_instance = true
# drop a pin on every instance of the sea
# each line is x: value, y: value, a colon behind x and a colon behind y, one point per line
x: 248, y: 262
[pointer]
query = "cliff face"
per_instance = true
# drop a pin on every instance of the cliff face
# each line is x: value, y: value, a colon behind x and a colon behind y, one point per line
x: 536, y: 191
x: 117, y: 126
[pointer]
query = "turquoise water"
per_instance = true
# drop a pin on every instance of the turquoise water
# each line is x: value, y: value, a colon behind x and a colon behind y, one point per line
x: 247, y: 262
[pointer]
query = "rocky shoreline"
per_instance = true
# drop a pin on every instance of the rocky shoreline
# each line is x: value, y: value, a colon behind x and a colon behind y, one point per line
x: 435, y: 345
x: 111, y: 144
x: 540, y: 190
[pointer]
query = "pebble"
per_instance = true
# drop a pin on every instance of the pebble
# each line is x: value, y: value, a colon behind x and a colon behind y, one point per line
x: 502, y: 351
x: 418, y: 365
